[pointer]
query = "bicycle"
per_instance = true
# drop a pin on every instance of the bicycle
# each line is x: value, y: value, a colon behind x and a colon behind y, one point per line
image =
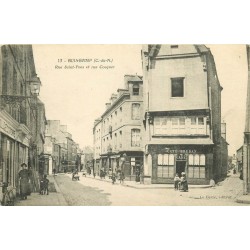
x: 8, y: 195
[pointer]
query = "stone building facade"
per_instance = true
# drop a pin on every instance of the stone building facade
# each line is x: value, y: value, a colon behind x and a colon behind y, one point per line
x: 20, y: 113
x: 117, y: 134
x: 182, y: 114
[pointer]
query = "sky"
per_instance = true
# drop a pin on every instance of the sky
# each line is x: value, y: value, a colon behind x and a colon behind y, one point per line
x: 77, y: 96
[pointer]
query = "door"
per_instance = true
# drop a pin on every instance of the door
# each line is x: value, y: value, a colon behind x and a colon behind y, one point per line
x: 180, y: 167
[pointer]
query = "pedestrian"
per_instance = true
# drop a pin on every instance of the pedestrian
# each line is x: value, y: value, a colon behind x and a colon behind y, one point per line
x: 24, y: 180
x: 54, y: 171
x: 122, y: 177
x: 110, y: 173
x: 241, y: 174
x: 113, y: 178
x: 183, y: 184
x: 176, y: 182
x: 45, y: 185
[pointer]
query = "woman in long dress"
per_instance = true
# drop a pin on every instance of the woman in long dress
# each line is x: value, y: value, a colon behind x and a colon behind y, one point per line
x: 24, y: 178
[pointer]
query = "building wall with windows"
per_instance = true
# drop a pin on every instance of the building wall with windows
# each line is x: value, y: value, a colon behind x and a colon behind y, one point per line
x: 120, y: 129
x: 182, y: 114
x: 18, y: 143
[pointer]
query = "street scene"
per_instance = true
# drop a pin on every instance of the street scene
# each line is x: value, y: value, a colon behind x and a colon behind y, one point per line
x: 124, y: 125
x: 90, y: 191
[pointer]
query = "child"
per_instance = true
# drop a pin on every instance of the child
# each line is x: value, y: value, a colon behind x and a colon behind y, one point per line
x: 45, y: 185
x: 113, y: 178
x: 176, y: 182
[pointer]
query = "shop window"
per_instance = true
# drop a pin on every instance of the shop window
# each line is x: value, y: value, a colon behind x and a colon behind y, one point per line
x: 135, y: 111
x: 177, y: 87
x: 165, y: 168
x: 196, y: 166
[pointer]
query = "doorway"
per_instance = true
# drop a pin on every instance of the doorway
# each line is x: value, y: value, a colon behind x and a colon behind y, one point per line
x: 180, y: 167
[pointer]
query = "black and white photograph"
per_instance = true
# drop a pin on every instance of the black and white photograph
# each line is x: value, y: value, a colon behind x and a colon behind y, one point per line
x: 125, y: 125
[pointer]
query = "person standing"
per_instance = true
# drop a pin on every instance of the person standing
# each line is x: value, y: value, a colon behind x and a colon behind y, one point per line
x: 24, y: 179
x: 183, y: 185
x: 176, y: 182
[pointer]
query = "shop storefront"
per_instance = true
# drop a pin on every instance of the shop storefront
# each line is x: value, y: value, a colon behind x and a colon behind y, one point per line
x: 14, y: 141
x: 133, y: 162
x: 168, y: 160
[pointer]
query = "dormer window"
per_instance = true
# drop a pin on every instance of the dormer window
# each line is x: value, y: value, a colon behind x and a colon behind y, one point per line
x: 136, y: 89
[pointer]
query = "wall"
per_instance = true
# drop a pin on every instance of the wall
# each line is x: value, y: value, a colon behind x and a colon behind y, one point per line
x: 195, y: 85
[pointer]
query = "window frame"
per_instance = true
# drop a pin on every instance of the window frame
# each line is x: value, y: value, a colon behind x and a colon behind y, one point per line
x: 172, y: 79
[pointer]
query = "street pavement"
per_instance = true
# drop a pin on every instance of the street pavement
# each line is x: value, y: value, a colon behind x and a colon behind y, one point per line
x: 91, y: 191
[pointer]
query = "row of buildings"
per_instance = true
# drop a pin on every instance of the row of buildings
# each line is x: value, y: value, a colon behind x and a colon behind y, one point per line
x: 167, y: 121
x: 61, y: 152
x: 26, y: 136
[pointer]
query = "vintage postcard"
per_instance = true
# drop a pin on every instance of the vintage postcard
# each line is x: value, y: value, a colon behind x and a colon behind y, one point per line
x: 124, y: 125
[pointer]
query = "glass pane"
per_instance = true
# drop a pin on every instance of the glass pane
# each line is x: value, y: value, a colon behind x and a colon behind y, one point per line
x: 177, y: 87
x: 202, y: 172
x: 196, y: 173
x: 191, y: 160
x: 196, y: 160
x: 171, y: 172
x: 171, y: 159
x: 165, y: 159
x: 190, y: 172
x: 165, y: 172
x: 200, y: 120
x: 182, y: 121
x: 159, y: 171
x: 193, y: 120
x: 159, y: 159
x: 202, y: 160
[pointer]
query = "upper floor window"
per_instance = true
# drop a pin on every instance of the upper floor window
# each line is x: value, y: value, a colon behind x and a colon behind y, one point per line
x: 177, y: 87
x: 135, y: 137
x: 136, y: 89
x: 135, y: 111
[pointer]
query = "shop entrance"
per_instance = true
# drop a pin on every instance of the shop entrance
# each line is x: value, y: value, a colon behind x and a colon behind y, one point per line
x: 180, y: 167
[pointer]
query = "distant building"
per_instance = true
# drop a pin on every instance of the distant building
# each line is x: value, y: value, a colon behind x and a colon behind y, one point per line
x: 61, y: 152
x: 117, y: 134
x: 182, y: 115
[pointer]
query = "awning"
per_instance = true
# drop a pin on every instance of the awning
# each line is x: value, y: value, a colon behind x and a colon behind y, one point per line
x: 183, y: 141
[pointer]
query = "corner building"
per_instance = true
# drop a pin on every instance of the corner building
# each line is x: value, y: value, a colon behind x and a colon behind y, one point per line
x: 182, y: 115
x: 118, y: 132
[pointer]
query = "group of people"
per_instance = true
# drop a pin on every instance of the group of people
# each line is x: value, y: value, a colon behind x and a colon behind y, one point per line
x: 25, y: 182
x: 180, y: 183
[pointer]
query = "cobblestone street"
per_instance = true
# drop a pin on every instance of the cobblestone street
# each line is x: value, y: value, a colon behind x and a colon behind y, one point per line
x: 95, y: 192
x: 90, y: 191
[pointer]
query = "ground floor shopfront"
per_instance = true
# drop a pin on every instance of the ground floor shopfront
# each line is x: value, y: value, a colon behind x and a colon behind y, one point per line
x: 129, y: 162
x: 14, y: 149
x: 163, y: 162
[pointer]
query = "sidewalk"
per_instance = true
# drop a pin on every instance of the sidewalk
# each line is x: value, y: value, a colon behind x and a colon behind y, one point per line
x: 138, y: 185
x: 245, y: 199
x: 55, y: 197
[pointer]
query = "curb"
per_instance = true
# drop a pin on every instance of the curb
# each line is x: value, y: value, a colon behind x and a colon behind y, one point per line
x: 243, y: 201
x: 141, y: 186
x: 58, y: 190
